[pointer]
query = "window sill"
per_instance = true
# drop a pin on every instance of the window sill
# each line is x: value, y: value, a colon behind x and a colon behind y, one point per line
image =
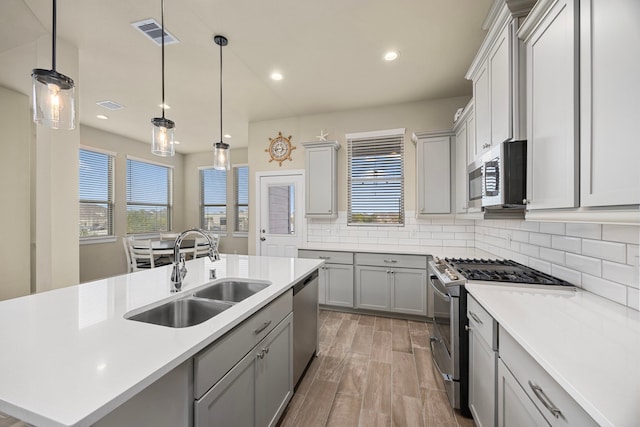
x: 94, y: 240
x: 241, y: 234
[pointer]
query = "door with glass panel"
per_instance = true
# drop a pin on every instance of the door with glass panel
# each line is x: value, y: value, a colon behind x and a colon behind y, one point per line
x: 281, y: 214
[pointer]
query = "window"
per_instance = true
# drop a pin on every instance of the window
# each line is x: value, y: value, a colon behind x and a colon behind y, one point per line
x: 213, y: 200
x: 376, y: 178
x: 241, y: 198
x: 149, y: 197
x: 96, y: 194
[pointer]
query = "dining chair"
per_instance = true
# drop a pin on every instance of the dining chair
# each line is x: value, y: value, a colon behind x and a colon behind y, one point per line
x: 140, y: 254
x: 201, y: 247
x: 169, y: 236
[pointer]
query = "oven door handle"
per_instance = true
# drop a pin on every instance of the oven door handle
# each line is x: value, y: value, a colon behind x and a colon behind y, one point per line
x: 444, y: 296
x: 446, y: 377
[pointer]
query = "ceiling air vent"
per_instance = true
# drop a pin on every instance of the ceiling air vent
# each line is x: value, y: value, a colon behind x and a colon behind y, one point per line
x: 110, y: 105
x: 152, y: 29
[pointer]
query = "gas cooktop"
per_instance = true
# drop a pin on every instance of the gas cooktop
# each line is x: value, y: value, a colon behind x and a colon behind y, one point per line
x: 493, y: 270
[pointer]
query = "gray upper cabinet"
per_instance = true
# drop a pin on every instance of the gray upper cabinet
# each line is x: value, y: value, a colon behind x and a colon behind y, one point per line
x: 433, y: 169
x: 463, y: 128
x: 321, y: 195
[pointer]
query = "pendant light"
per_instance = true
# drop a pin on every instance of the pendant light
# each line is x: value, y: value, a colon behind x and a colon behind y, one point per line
x: 221, y: 159
x: 163, y: 138
x: 53, y: 93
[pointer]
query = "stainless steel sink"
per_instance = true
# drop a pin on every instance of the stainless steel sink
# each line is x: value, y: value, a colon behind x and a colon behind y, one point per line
x: 182, y: 313
x: 232, y: 291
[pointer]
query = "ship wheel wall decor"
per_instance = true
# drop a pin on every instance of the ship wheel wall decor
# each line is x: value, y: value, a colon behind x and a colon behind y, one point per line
x: 280, y: 148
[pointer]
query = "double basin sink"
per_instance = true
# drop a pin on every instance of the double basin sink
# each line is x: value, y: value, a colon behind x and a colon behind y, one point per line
x: 199, y: 306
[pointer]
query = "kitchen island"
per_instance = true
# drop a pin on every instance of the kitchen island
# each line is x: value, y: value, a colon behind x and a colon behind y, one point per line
x: 70, y: 357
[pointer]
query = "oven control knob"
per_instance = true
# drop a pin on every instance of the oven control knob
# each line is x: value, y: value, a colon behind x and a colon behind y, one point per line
x: 451, y: 274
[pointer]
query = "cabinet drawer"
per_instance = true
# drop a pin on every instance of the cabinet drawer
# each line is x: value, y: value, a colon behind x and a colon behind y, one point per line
x: 332, y: 257
x: 212, y: 363
x: 541, y: 388
x: 392, y: 260
x: 482, y: 322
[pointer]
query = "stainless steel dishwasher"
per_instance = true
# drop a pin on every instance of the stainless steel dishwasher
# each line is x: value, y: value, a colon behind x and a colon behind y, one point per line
x: 305, y: 323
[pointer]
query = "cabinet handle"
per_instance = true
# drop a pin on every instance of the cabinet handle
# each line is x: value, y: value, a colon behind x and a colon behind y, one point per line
x: 262, y: 327
x: 537, y: 390
x: 261, y: 354
x: 390, y: 261
x: 324, y: 257
x: 475, y: 317
x: 467, y: 328
x: 266, y: 350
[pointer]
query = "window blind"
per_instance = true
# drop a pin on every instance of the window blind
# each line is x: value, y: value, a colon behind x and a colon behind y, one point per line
x: 213, y: 199
x: 376, y: 180
x: 149, y: 197
x: 241, y: 198
x: 96, y: 194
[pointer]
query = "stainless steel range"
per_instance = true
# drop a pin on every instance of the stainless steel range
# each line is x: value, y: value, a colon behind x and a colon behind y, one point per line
x: 450, y: 340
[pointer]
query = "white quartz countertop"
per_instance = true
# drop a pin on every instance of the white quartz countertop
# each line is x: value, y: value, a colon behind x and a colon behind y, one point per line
x: 69, y: 357
x: 439, y: 251
x: 589, y: 345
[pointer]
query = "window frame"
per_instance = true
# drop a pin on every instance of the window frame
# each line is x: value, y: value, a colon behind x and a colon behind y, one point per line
x: 110, y: 202
x: 169, y: 205
x: 222, y: 233
x: 379, y: 138
x: 237, y: 204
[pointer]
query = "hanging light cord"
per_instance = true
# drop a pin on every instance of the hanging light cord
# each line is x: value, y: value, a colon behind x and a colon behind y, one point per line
x: 162, y: 20
x: 221, y: 92
x: 53, y: 41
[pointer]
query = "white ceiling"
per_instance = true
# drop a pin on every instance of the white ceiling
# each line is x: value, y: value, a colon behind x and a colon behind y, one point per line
x: 329, y: 51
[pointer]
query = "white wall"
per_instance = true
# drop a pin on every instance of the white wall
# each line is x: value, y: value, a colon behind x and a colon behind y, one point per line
x: 415, y: 116
x: 600, y: 258
x: 15, y: 144
x: 229, y: 243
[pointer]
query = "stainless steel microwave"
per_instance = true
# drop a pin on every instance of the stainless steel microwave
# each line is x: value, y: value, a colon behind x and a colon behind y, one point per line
x: 474, y: 181
x: 504, y: 175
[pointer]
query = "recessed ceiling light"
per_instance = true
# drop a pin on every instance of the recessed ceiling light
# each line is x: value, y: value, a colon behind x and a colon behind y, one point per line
x: 176, y: 142
x: 102, y: 116
x: 276, y: 76
x: 392, y: 55
x: 226, y: 135
x: 164, y: 106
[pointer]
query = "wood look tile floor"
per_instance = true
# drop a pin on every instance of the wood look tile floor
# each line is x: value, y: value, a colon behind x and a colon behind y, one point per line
x: 371, y: 371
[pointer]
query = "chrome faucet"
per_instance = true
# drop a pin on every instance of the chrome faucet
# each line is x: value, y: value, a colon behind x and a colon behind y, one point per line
x: 179, y: 269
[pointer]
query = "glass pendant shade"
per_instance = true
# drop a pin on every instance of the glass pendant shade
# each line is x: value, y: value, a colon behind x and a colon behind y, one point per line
x: 163, y: 138
x: 53, y: 99
x: 221, y: 159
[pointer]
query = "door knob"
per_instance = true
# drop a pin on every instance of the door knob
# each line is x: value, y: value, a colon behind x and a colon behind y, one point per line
x: 262, y: 239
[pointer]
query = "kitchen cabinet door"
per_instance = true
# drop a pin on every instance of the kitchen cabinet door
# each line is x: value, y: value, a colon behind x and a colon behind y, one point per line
x: 515, y: 409
x: 500, y: 88
x: 482, y: 380
x: 339, y: 285
x: 434, y: 174
x: 461, y: 169
x: 408, y: 291
x: 321, y: 179
x: 552, y: 108
x: 609, y: 93
x: 274, y: 373
x: 372, y: 288
x: 482, y: 110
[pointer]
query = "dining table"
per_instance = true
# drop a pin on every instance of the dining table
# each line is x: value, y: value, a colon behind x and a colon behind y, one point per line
x: 165, y: 248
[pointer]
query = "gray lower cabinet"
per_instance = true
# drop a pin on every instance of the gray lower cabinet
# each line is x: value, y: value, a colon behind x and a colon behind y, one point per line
x: 257, y: 389
x: 372, y: 288
x: 335, y: 279
x: 515, y: 409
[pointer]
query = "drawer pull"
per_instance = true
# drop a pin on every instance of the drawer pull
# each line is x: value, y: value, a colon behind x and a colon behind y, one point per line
x: 262, y: 327
x: 467, y: 328
x: 475, y: 317
x: 390, y: 261
x: 324, y: 257
x: 537, y: 390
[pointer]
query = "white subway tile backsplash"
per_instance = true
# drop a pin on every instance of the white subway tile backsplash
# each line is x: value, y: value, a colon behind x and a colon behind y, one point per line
x: 633, y: 255
x: 589, y: 231
x: 606, y: 250
x: 454, y: 228
x: 556, y: 257
x: 455, y: 243
x: 572, y: 276
x: 438, y: 235
x: 530, y: 250
x: 621, y: 273
x: 459, y: 221
x: 443, y: 221
x: 520, y: 236
x: 464, y: 236
x: 430, y: 242
x: 605, y: 288
x: 530, y: 226
x: 540, y: 239
x: 621, y: 233
x: 430, y: 227
x: 543, y: 266
x: 585, y: 264
x: 633, y: 298
x: 568, y: 244
x: 552, y: 227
